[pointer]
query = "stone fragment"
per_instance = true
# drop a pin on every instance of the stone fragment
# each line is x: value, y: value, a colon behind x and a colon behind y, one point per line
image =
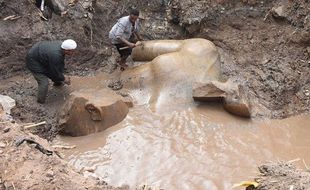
x: 6, y: 103
x: 2, y: 145
x: 237, y: 106
x: 207, y: 92
x: 6, y: 130
x: 279, y: 12
x: 90, y: 111
x: 50, y: 174
x: 230, y: 94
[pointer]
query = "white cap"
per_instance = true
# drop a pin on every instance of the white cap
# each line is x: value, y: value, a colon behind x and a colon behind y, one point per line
x: 68, y: 44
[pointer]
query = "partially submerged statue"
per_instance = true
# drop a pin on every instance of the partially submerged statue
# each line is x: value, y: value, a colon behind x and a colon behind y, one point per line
x: 92, y: 110
x: 173, y: 69
x: 172, y: 73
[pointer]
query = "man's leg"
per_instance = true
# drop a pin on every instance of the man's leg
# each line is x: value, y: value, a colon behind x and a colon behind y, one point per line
x: 42, y: 81
x: 122, y: 61
x: 58, y: 84
x: 124, y: 54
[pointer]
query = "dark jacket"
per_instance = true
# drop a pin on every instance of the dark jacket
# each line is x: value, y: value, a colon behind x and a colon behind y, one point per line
x: 47, y: 58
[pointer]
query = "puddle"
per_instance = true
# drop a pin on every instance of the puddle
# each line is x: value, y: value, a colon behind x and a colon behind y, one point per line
x: 169, y: 141
x: 201, y: 147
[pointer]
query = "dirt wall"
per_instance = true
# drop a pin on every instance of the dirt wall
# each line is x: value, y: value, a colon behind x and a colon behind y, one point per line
x: 88, y: 22
x: 265, y: 46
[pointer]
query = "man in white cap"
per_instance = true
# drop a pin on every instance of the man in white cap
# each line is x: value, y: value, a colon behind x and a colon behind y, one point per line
x: 46, y: 60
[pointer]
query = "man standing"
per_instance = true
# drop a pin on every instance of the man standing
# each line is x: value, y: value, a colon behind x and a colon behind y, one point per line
x: 45, y: 60
x: 123, y: 35
x: 47, y: 7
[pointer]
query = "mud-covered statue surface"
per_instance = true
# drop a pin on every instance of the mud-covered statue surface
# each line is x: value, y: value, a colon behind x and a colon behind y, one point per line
x: 90, y: 111
x: 163, y: 81
x: 171, y: 68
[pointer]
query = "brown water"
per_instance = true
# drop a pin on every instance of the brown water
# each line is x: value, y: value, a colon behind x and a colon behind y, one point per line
x: 197, y: 147
x: 168, y: 141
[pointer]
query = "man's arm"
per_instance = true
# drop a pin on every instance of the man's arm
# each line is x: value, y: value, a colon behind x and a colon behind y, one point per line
x: 56, y: 68
x: 139, y: 37
x: 119, y: 34
x: 129, y: 44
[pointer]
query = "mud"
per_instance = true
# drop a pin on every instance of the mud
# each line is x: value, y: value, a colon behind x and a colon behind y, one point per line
x: 268, y: 55
x: 253, y: 49
x: 256, y: 47
x: 116, y: 85
x: 34, y: 165
x: 283, y: 175
x: 198, y: 147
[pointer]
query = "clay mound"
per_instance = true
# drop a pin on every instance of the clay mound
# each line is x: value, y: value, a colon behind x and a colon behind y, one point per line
x: 92, y: 110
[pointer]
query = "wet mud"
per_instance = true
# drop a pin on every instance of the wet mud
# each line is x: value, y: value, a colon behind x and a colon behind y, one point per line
x: 198, y: 147
x: 187, y: 145
x: 184, y: 146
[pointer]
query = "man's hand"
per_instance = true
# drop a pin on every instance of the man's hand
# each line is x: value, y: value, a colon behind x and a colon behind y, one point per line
x: 67, y: 80
x: 63, y: 13
x: 139, y: 43
x: 132, y: 45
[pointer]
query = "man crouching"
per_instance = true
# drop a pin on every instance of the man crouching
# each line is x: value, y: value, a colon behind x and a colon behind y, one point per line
x: 124, y: 34
x: 46, y: 60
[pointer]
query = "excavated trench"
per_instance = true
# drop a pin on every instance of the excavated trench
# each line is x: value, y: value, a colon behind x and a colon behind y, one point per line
x: 195, y: 146
x: 169, y: 141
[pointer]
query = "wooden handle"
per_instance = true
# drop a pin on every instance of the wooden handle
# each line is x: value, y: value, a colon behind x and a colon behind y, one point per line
x: 123, y: 48
x: 127, y: 47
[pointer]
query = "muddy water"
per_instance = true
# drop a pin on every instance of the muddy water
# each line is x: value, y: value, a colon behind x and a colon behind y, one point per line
x: 197, y: 147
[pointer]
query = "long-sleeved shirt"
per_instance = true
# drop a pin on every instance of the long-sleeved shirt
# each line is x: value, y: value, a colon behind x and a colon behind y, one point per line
x: 123, y: 28
x: 47, y: 58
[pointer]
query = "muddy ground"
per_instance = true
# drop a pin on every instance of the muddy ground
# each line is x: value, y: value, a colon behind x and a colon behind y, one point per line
x: 282, y: 175
x: 265, y: 45
x: 29, y: 162
x: 267, y: 53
